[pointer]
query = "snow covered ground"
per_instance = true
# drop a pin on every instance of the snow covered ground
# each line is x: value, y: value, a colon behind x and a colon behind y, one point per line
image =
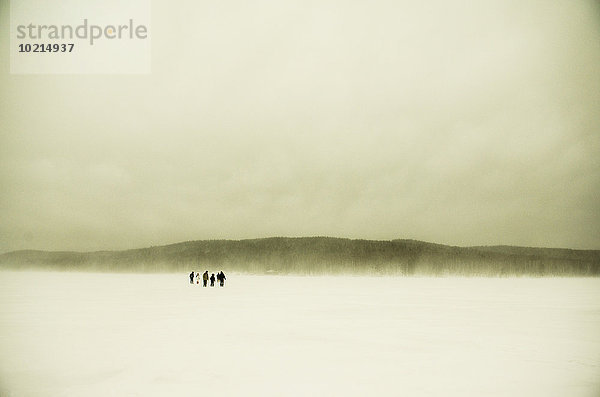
x: 83, y: 334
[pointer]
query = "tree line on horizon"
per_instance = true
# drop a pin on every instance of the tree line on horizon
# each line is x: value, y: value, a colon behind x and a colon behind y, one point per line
x: 319, y: 255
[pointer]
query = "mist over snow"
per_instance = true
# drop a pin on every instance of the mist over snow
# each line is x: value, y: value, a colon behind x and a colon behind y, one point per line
x: 85, y: 334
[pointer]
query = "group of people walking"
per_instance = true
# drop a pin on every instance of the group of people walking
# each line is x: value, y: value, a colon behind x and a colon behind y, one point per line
x: 196, y: 276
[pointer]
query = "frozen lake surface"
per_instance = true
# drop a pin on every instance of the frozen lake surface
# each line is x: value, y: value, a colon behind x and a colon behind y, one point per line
x: 83, y: 334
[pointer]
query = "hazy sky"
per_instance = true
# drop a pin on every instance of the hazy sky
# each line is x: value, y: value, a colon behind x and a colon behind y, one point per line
x: 456, y: 122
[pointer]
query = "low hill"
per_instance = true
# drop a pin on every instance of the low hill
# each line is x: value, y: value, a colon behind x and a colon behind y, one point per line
x: 319, y: 255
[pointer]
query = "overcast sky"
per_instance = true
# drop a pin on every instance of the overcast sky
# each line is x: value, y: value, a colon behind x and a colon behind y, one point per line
x: 457, y: 122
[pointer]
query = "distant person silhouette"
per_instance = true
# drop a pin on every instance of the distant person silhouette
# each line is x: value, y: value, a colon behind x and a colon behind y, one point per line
x: 212, y: 280
x: 192, y: 278
x: 205, y: 278
x: 197, y: 278
x: 221, y: 278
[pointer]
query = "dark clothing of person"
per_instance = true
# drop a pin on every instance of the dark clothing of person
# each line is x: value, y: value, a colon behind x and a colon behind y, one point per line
x: 205, y: 278
x: 212, y: 280
x: 192, y: 278
x: 222, y: 278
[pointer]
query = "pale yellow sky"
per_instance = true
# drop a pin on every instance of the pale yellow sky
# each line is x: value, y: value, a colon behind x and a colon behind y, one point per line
x: 454, y: 122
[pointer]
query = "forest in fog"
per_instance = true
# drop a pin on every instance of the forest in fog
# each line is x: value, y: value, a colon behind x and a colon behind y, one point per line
x: 319, y: 255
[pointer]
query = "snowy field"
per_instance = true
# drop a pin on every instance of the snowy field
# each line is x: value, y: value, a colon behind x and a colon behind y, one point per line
x: 82, y: 334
